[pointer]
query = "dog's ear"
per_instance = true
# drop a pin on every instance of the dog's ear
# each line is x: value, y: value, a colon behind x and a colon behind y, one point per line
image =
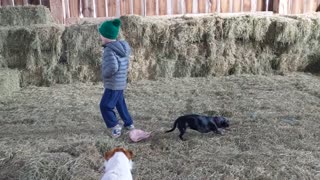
x: 108, y: 154
x: 130, y: 154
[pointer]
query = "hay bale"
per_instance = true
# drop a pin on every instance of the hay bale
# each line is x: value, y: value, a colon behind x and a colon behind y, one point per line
x: 82, y: 52
x: 214, y: 45
x: 9, y: 82
x: 181, y: 46
x: 24, y: 15
x: 34, y: 50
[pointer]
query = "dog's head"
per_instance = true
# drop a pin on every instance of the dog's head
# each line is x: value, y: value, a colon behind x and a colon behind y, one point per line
x: 221, y: 122
x: 109, y: 154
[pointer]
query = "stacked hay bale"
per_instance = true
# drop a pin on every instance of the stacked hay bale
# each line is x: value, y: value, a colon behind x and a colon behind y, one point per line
x: 9, y: 82
x: 216, y: 45
x: 182, y: 46
x: 30, y: 42
x: 82, y: 52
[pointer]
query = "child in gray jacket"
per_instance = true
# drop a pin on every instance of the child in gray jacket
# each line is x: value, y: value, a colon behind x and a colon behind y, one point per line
x: 114, y: 75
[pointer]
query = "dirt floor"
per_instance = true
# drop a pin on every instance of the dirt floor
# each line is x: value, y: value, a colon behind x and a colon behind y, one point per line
x: 57, y: 132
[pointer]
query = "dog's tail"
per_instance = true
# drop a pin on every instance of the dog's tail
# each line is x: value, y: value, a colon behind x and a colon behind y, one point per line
x: 174, y: 126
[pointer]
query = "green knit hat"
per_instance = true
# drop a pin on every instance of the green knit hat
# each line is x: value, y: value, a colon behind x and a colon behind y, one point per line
x: 110, y: 29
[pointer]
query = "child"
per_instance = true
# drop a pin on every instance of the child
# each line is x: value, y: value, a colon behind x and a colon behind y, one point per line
x: 114, y: 75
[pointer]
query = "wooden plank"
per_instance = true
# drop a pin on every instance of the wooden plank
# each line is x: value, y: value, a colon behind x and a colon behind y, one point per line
x: 87, y: 8
x: 124, y: 7
x: 101, y: 8
x: 151, y: 7
x: 270, y: 5
x: 45, y: 3
x: 201, y: 6
x: 318, y: 6
x: 56, y: 10
x: 189, y: 5
x: 315, y: 5
x: 280, y: 6
x: 34, y: 2
x: 276, y: 4
x: 297, y: 6
x: 237, y: 6
x: 261, y: 5
x: 224, y: 6
x: 18, y: 2
x: 70, y: 21
x: 6, y: 3
x: 246, y: 5
x: 309, y: 6
x: 213, y: 6
x: 74, y: 7
x: 137, y: 7
x: 112, y: 8
x: 175, y: 6
x: 162, y: 7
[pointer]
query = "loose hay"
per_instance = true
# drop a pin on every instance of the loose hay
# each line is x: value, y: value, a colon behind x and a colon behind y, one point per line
x: 274, y: 129
x: 9, y: 82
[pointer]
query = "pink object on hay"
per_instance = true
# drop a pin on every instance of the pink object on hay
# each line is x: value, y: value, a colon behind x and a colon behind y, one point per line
x: 137, y: 135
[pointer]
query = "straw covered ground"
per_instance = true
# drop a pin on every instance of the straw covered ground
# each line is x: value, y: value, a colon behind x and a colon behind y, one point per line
x: 260, y: 71
x: 57, y: 132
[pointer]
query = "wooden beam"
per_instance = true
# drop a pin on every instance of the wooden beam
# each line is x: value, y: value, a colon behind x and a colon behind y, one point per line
x: 246, y: 5
x: 18, y: 2
x: 318, y: 6
x: 189, y: 5
x: 74, y: 8
x: 56, y: 9
x: 280, y: 6
x: 6, y: 3
x: 34, y: 2
x: 261, y: 5
x: 87, y: 8
x: 137, y: 7
x: 224, y: 6
x: 151, y: 7
x: 175, y: 7
x: 112, y: 8
x: 309, y: 6
x: 201, y: 6
x: 270, y: 5
x: 213, y: 6
x: 162, y: 7
x: 315, y: 5
x: 101, y: 8
x: 124, y: 7
x: 237, y: 6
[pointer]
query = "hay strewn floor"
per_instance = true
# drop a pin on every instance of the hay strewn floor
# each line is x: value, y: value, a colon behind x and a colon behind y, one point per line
x: 57, y: 132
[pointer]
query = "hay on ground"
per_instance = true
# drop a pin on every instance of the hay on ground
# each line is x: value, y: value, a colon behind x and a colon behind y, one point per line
x: 9, y: 82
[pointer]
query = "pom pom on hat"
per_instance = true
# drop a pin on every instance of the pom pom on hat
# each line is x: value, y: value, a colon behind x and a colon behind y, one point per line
x: 116, y: 22
x: 110, y: 29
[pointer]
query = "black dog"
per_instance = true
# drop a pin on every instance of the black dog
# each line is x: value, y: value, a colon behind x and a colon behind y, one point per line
x: 203, y: 124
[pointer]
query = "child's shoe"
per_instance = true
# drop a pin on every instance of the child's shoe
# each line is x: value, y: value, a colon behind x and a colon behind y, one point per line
x: 130, y: 127
x: 116, y: 131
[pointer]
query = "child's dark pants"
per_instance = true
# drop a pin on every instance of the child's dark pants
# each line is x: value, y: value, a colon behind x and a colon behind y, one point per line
x: 114, y: 99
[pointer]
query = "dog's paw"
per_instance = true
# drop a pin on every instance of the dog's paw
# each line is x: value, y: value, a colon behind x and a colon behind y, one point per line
x: 220, y: 131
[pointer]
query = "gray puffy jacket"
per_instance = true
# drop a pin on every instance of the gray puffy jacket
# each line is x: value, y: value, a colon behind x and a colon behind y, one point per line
x: 115, y: 65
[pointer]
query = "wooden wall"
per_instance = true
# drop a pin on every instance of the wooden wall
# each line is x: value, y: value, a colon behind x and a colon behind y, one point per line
x: 68, y: 9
